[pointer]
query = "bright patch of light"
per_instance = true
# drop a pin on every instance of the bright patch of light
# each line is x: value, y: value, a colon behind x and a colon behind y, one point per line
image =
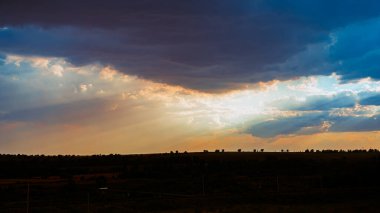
x: 266, y: 101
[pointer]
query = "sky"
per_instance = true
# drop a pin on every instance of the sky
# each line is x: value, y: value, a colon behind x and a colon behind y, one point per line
x: 149, y: 76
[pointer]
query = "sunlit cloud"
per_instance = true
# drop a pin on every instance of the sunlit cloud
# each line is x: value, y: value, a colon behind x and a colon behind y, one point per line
x: 53, y: 103
x: 357, y: 111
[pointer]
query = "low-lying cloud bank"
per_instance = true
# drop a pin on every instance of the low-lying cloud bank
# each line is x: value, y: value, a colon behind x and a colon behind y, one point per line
x: 56, y: 100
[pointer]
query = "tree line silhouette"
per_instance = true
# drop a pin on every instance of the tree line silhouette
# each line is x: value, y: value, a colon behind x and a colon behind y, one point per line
x: 213, y: 178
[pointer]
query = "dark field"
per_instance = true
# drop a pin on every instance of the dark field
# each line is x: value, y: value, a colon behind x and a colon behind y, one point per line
x: 193, y: 182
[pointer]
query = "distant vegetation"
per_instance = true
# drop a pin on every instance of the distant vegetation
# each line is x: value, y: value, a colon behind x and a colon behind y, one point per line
x: 342, y: 151
x: 218, y: 180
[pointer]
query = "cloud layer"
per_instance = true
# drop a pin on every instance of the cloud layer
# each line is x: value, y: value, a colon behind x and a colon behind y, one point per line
x: 51, y: 94
x: 155, y: 75
x: 212, y: 45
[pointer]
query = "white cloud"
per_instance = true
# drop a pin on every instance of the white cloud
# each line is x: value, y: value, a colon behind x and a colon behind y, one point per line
x: 324, y: 126
x: 85, y: 87
x: 357, y: 111
x: 57, y: 70
x: 107, y: 73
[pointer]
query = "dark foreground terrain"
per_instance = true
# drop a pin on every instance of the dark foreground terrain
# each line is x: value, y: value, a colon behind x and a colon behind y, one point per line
x: 192, y: 182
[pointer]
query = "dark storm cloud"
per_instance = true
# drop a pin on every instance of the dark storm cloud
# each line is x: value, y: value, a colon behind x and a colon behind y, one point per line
x: 317, y: 102
x: 58, y: 113
x: 343, y: 112
x: 198, y: 44
x: 2, y: 59
x: 369, y: 98
x: 285, y: 126
x: 313, y: 123
x: 356, y: 124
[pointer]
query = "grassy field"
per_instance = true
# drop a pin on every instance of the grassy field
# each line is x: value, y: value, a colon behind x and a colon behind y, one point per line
x: 192, y: 182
